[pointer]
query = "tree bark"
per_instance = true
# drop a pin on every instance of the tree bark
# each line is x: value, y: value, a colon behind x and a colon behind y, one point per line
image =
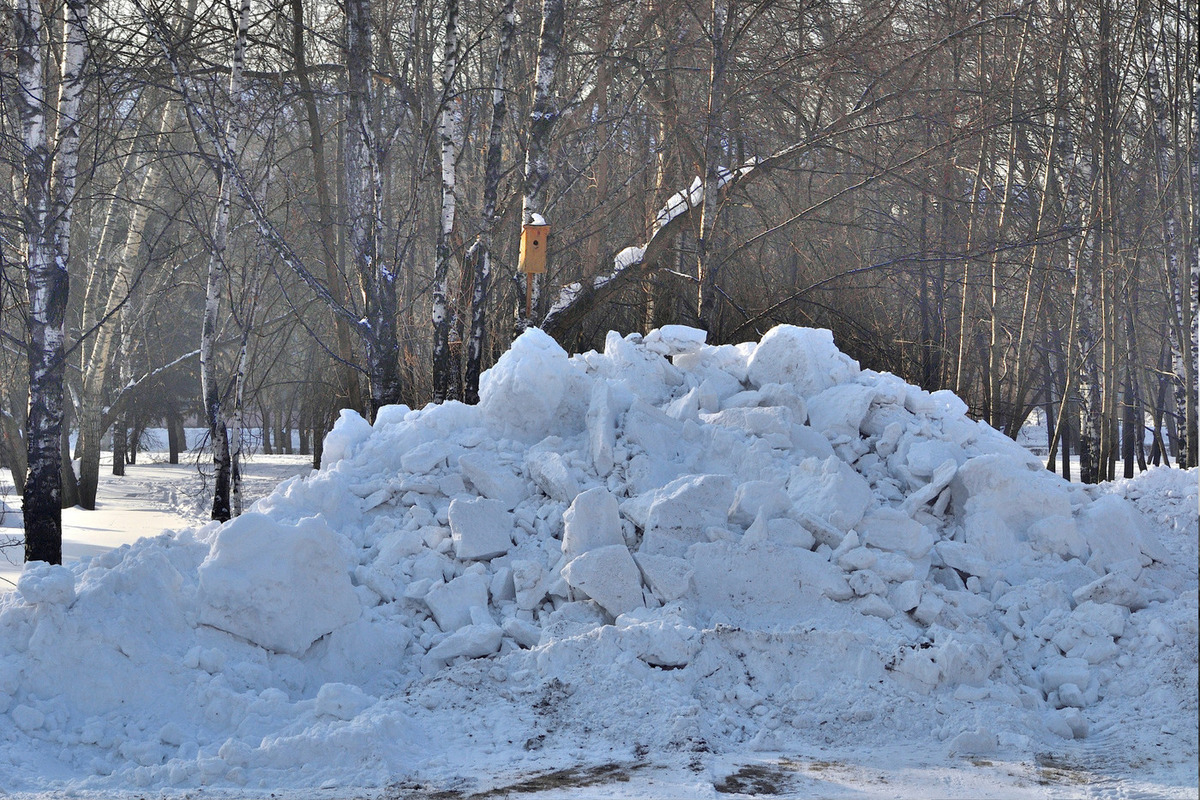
x: 714, y: 134
x: 479, y: 258
x: 450, y: 121
x: 1170, y: 201
x: 542, y: 118
x: 364, y: 213
x: 46, y: 220
x: 210, y: 384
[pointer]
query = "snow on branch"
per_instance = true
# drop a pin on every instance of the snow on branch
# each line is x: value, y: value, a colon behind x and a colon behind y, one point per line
x: 576, y: 299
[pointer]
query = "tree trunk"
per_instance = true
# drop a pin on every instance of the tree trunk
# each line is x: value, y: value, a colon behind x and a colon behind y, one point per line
x: 12, y: 450
x: 449, y: 123
x: 46, y: 220
x: 70, y: 484
x: 237, y: 423
x: 210, y: 383
x: 175, y: 436
x: 541, y: 123
x: 120, y: 445
x: 714, y: 133
x: 479, y: 258
x: 1170, y: 201
x: 364, y: 213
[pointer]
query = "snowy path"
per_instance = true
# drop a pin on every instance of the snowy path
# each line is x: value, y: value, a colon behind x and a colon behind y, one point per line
x: 152, y: 497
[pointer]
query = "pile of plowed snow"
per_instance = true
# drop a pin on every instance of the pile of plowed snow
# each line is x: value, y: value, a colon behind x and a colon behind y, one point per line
x: 663, y: 548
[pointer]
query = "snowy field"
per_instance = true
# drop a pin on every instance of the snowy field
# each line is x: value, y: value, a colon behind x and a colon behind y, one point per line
x: 664, y: 570
x: 153, y: 497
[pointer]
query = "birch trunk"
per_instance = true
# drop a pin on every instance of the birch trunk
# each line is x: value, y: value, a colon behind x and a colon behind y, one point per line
x: 210, y: 387
x: 236, y: 426
x: 1183, y: 340
x: 364, y: 213
x: 542, y: 118
x: 448, y: 132
x: 714, y: 132
x: 479, y: 258
x: 46, y: 219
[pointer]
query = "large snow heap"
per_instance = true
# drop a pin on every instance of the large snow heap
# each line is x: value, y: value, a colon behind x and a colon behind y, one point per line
x: 668, y: 543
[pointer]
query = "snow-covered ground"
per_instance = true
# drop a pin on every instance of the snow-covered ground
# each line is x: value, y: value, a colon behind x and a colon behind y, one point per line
x: 152, y: 497
x: 664, y: 570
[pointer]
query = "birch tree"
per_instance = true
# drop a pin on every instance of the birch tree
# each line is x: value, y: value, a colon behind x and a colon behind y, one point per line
x: 49, y: 193
x: 542, y: 118
x: 216, y: 282
x: 449, y: 126
x: 479, y: 256
x: 714, y: 133
x: 364, y: 188
x: 1171, y: 201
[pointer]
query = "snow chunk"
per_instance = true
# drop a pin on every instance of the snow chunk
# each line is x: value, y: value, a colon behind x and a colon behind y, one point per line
x: 27, y: 718
x: 552, y: 475
x: 1060, y: 536
x: 755, y: 497
x: 999, y: 498
x: 602, y: 427
x: 474, y: 641
x: 1115, y: 588
x: 493, y: 479
x: 661, y: 642
x: 592, y: 521
x: 280, y: 586
x: 1116, y: 532
x: 893, y: 530
x: 830, y: 490
x: 49, y: 584
x: 481, y: 529
x: 523, y: 633
x: 451, y: 603
x: 533, y: 390
x: 671, y: 340
x: 682, y: 511
x: 342, y: 701
x: 529, y: 583
x: 964, y: 557
x: 840, y: 410
x: 348, y: 433
x: 609, y: 576
x: 805, y: 357
x: 667, y: 576
x: 764, y: 582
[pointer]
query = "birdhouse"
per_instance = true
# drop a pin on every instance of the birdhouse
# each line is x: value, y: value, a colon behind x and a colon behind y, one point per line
x: 533, y: 249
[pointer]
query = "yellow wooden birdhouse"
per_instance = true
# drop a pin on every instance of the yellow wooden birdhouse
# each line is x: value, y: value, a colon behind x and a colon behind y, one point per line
x: 533, y: 248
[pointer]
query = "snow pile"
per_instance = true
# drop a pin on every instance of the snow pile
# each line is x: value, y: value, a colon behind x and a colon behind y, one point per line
x: 664, y: 549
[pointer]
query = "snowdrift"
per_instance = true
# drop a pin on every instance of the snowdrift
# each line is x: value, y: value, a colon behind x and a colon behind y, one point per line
x: 660, y: 550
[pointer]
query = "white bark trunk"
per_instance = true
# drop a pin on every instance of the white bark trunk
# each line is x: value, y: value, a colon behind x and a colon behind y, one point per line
x: 542, y: 118
x: 215, y: 284
x: 49, y: 191
x: 449, y: 126
x: 479, y: 257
